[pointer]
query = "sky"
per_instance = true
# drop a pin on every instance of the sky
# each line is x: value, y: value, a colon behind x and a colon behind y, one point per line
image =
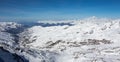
x: 34, y: 10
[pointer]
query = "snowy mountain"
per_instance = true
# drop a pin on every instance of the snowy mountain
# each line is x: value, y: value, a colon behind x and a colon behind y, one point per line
x: 8, y: 42
x: 88, y: 40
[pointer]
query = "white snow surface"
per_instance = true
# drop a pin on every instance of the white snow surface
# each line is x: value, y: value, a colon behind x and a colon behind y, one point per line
x: 77, y: 33
x: 8, y: 25
x: 88, y: 40
x: 5, y: 37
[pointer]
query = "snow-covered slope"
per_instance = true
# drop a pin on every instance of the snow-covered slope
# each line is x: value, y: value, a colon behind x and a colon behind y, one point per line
x: 6, y: 37
x: 88, y: 40
x: 8, y: 25
x: 8, y: 42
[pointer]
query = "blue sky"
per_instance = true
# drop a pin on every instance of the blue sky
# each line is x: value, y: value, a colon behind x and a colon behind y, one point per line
x: 33, y: 10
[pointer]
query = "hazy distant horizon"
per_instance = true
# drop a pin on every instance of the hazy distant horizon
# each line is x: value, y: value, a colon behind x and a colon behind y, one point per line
x: 36, y: 20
